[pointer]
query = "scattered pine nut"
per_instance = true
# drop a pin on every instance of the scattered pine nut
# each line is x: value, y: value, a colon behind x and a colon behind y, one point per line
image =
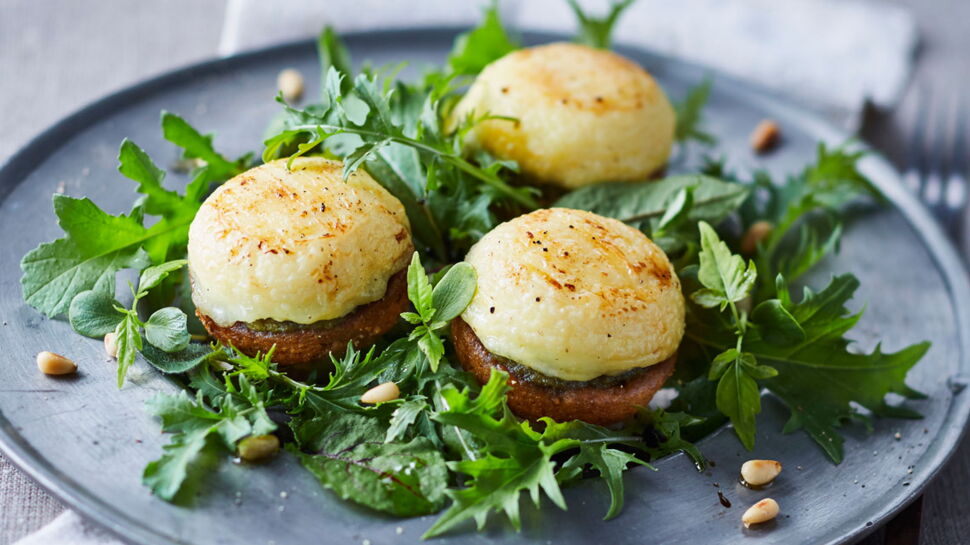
x: 760, y: 472
x: 50, y: 363
x: 758, y: 231
x: 257, y: 448
x: 111, y: 345
x: 763, y: 511
x: 290, y: 83
x: 381, y: 393
x: 765, y: 136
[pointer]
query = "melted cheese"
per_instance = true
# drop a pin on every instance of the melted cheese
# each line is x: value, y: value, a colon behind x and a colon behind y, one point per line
x: 583, y: 115
x: 299, y: 245
x: 574, y: 295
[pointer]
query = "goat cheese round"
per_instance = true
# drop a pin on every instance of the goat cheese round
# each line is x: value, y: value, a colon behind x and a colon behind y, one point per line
x: 296, y: 244
x: 574, y: 295
x: 581, y: 115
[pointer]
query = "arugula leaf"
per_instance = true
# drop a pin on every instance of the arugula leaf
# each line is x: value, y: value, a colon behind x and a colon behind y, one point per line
x: 96, y: 247
x: 641, y: 203
x: 820, y: 377
x: 165, y: 476
x: 351, y: 377
x: 597, y: 32
x: 804, y: 210
x: 724, y: 275
x: 136, y: 165
x: 611, y: 463
x: 690, y: 115
x: 196, y: 146
x: 198, y: 430
x: 479, y: 47
x: 517, y: 458
x: 348, y: 455
x: 377, y: 128
x: 333, y: 53
x: 404, y: 416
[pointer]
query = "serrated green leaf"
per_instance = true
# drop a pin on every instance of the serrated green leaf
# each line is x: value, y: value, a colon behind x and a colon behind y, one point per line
x: 479, y: 47
x: 722, y: 272
x: 597, y: 31
x: 404, y: 416
x: 690, y: 115
x: 96, y: 247
x: 611, y: 463
x: 776, y: 324
x: 197, y: 146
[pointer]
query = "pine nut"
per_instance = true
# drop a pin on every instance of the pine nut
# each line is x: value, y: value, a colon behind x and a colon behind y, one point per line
x: 760, y: 472
x: 758, y: 231
x: 257, y: 448
x: 50, y: 363
x: 763, y: 511
x: 290, y: 83
x: 765, y: 136
x: 381, y: 393
x: 111, y: 345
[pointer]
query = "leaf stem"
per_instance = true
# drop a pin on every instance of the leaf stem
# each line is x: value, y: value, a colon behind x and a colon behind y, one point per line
x: 454, y: 159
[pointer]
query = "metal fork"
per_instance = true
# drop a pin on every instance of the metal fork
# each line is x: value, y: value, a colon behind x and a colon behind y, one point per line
x: 937, y: 163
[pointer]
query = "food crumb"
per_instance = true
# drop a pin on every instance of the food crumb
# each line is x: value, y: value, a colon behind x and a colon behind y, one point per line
x: 365, y: 542
x: 897, y: 436
x: 283, y: 494
x: 399, y: 530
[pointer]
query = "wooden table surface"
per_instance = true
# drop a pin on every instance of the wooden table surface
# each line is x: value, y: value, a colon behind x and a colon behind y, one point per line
x: 58, y: 55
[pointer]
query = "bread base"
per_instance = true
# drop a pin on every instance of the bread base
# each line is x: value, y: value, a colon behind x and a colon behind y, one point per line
x: 603, y: 405
x: 306, y: 346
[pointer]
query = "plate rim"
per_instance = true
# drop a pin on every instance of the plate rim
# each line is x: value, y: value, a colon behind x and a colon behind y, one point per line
x: 953, y: 271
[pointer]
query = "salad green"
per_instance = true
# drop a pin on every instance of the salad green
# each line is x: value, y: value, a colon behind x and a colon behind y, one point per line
x: 448, y: 444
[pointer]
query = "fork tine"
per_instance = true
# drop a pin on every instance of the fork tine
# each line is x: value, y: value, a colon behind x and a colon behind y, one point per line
x: 915, y: 154
x: 955, y: 194
x: 934, y: 153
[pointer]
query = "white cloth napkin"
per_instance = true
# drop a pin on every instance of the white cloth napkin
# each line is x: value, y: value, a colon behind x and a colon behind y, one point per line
x: 830, y: 55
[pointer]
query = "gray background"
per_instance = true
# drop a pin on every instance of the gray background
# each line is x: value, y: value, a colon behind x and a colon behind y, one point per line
x: 58, y: 55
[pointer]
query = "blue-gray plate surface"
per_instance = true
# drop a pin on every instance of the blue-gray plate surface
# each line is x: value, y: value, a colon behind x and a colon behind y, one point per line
x: 87, y: 441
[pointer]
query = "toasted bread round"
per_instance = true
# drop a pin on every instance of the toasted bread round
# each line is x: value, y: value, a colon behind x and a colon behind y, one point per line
x: 302, y: 346
x: 596, y: 404
x: 581, y: 115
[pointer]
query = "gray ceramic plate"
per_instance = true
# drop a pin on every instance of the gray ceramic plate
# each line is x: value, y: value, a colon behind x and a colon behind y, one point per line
x: 87, y: 442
